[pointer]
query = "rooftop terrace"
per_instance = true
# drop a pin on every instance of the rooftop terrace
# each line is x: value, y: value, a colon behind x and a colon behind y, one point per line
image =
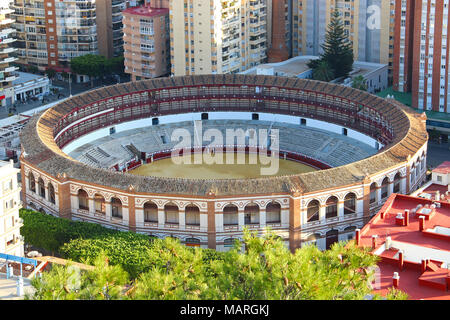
x: 417, y: 248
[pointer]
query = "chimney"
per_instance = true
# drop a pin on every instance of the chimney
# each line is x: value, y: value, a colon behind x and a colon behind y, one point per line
x: 387, y: 243
x: 406, y: 217
x: 423, y: 265
x: 421, y: 223
x: 374, y: 241
x: 395, y: 280
x: 278, y: 52
x: 400, y: 260
x: 358, y: 236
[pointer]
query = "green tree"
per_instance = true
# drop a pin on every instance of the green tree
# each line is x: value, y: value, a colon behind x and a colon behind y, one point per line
x: 50, y: 73
x: 68, y: 282
x: 359, y: 82
x: 323, y: 72
x: 90, y: 64
x: 337, y: 50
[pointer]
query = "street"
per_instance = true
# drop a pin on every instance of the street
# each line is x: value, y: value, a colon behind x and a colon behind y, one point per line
x: 64, y: 93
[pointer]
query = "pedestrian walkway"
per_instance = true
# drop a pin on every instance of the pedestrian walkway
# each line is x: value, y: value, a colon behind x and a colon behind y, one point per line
x: 8, y: 288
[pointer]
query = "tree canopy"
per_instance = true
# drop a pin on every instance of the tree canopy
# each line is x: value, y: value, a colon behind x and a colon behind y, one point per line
x: 261, y: 269
x: 337, y: 51
x: 94, y: 65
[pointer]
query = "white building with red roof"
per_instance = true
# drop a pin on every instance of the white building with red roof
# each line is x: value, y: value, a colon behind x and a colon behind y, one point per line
x: 411, y: 235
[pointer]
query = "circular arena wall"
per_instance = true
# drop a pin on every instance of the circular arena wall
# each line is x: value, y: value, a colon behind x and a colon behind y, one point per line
x: 322, y: 206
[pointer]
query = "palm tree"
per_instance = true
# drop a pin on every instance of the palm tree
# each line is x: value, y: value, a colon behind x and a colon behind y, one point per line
x: 359, y: 82
x: 323, y: 72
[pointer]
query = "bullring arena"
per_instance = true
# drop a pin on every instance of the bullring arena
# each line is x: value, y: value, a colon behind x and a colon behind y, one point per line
x: 95, y: 157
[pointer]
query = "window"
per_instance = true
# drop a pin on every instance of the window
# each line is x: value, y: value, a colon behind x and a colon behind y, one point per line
x: 312, y: 212
x: 439, y: 178
x: 150, y: 212
x: 171, y: 213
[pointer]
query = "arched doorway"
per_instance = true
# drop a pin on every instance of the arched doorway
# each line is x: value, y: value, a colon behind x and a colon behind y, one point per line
x: 99, y: 204
x: 397, y: 182
x: 230, y: 215
x: 41, y: 187
x: 83, y: 200
x: 373, y: 193
x: 384, y: 188
x: 251, y: 214
x: 192, y: 242
x: 150, y: 212
x: 332, y: 236
x: 192, y: 215
x: 32, y: 182
x: 116, y: 207
x: 51, y: 193
x: 171, y: 213
x: 273, y: 212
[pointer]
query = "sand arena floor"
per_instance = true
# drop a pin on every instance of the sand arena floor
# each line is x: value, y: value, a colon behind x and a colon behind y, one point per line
x: 169, y: 169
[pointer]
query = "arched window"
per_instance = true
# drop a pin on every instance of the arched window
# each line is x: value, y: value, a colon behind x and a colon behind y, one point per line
x: 171, y: 213
x: 51, y: 193
x: 41, y: 187
x: 397, y: 181
x: 332, y: 237
x: 230, y: 215
x: 32, y: 182
x: 150, y: 212
x: 192, y: 242
x: 331, y: 207
x: 384, y: 188
x: 251, y: 214
x: 350, y: 203
x: 373, y: 193
x: 83, y: 200
x: 116, y: 207
x: 192, y: 215
x: 312, y: 213
x: 350, y: 231
x: 273, y: 212
x: 99, y: 204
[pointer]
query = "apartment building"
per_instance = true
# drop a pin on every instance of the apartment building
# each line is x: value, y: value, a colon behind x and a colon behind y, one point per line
x: 368, y: 23
x: 217, y: 36
x: 11, y: 241
x: 146, y: 42
x: 7, y: 75
x: 50, y: 33
x: 421, y: 56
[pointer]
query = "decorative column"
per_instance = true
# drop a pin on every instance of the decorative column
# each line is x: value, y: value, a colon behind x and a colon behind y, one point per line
x: 182, y: 218
x: 211, y: 209
x: 295, y: 221
x: 131, y: 211
x: 204, y: 221
x: 161, y: 221
x: 91, y: 206
x: 340, y: 208
x: 262, y: 217
x: 390, y: 188
x: 278, y: 51
x: 378, y: 195
x: 322, y: 214
x: 108, y: 209
x: 365, y: 210
x: 64, y: 197
x: 241, y: 220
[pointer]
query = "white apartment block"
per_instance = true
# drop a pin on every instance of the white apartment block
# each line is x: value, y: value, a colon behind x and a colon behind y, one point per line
x: 217, y: 36
x: 11, y: 241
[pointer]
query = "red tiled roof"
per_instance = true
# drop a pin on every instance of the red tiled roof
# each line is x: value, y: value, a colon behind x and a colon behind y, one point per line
x: 146, y: 11
x: 430, y: 284
x: 443, y: 167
